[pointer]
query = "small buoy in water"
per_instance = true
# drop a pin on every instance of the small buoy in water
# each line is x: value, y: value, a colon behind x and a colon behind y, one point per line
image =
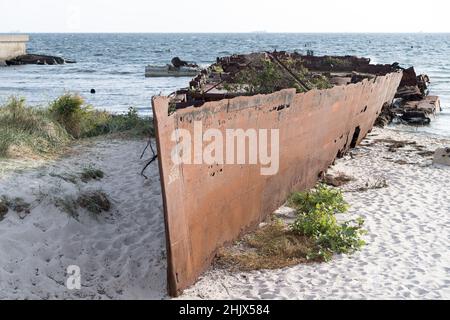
x: 92, y: 91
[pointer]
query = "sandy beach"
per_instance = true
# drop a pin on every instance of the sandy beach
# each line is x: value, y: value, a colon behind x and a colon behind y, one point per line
x: 408, y: 224
x: 122, y: 253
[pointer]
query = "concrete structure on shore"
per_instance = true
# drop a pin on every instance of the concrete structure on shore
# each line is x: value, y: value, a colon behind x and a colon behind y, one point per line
x: 12, y: 46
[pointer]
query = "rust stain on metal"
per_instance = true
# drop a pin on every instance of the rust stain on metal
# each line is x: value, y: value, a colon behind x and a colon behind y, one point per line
x: 207, y: 207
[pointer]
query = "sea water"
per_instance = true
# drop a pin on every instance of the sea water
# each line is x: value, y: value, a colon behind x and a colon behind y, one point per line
x: 114, y: 64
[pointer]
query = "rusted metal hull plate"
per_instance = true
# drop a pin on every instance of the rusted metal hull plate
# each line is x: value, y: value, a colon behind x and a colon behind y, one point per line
x: 209, y: 206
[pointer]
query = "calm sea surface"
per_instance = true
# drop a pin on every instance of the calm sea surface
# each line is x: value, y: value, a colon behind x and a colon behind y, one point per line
x: 114, y: 64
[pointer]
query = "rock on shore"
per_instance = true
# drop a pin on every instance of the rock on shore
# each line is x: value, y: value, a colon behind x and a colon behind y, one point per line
x: 37, y: 59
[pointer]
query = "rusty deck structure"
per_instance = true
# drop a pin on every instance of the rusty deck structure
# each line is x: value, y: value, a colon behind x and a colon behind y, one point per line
x: 209, y: 206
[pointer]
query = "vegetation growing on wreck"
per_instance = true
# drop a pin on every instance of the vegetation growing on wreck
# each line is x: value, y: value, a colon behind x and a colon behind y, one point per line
x: 315, y: 236
x: 265, y: 76
x: 269, y: 72
x: 31, y: 131
x: 333, y: 62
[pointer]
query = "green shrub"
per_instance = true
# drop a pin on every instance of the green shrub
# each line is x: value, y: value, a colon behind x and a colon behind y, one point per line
x: 25, y: 129
x: 314, y: 236
x: 316, y: 218
x: 44, y: 131
x: 69, y: 111
x: 98, y: 123
x: 83, y: 121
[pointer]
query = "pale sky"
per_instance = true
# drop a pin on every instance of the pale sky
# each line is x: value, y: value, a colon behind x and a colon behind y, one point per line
x: 224, y: 16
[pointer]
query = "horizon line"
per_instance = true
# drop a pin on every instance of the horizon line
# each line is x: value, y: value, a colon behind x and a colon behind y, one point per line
x: 224, y: 32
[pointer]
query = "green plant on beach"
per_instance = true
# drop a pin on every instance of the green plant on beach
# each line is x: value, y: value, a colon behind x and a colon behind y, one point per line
x: 315, y: 236
x: 28, y: 130
x: 69, y: 111
x: 82, y: 121
x: 131, y: 122
x: 316, y: 218
x: 31, y: 131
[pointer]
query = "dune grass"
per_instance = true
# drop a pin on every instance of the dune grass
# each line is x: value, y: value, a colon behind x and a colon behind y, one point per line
x: 95, y: 202
x: 91, y: 173
x: 35, y: 131
x: 83, y: 121
x: 29, y: 130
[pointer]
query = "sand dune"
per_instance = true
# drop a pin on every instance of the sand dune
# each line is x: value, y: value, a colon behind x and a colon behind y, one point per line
x: 121, y: 255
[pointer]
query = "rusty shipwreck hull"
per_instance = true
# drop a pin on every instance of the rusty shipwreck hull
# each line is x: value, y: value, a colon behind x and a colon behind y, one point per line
x: 207, y: 207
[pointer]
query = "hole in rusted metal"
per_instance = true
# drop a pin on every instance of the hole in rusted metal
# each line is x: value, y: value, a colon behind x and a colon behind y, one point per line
x: 355, y: 137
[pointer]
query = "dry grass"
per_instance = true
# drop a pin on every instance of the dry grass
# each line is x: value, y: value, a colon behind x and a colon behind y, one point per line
x: 395, y: 145
x: 375, y: 185
x: 29, y: 131
x: 67, y: 177
x: 271, y: 247
x: 337, y: 180
x: 426, y: 154
x: 94, y: 201
x: 17, y: 205
x: 68, y: 205
x: 3, y: 210
x: 91, y: 173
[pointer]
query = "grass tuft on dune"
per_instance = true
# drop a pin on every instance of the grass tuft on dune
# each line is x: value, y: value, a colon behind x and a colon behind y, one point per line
x: 31, y: 131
